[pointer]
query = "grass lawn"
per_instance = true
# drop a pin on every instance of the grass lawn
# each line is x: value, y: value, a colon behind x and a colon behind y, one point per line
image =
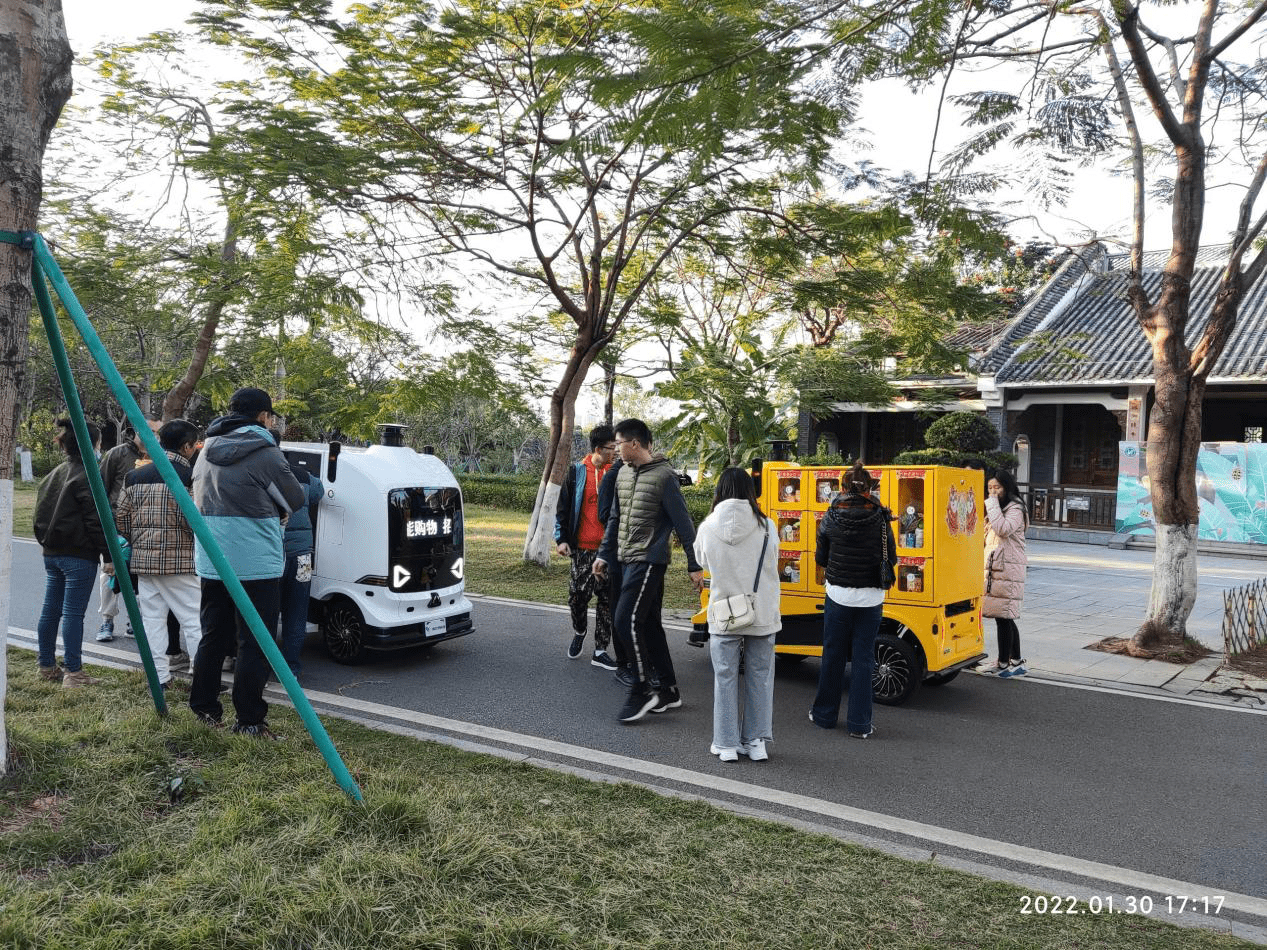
x: 23, y: 509
x: 119, y: 830
x: 495, y: 566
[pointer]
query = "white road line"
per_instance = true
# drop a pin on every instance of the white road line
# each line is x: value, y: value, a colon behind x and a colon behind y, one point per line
x: 1122, y: 877
x: 1139, y: 694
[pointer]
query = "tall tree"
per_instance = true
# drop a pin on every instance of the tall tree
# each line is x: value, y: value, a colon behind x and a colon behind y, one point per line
x: 1097, y: 74
x: 526, y: 137
x: 35, y: 83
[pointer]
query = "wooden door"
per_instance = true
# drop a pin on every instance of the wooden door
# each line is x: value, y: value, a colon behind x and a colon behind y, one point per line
x: 1088, y: 447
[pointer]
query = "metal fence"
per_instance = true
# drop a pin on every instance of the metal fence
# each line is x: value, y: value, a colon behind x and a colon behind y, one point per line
x: 1245, y: 617
x: 1071, y: 506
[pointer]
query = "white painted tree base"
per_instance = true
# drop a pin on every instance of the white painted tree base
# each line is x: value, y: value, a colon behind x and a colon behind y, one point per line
x: 1174, y: 590
x: 6, y: 574
x: 539, y: 544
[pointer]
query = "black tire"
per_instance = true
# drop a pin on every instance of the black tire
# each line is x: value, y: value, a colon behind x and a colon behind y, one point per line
x: 940, y: 679
x: 898, y: 671
x: 343, y: 630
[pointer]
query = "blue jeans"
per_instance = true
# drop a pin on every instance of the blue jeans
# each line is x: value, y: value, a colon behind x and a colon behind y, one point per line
x: 846, y: 631
x: 294, y: 612
x: 737, y: 723
x: 68, y: 587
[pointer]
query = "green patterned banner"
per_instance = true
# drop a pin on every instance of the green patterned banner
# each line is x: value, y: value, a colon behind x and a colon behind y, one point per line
x: 1231, y: 490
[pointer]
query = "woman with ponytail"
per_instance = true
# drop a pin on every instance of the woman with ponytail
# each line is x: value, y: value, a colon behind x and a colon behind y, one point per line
x: 855, y: 541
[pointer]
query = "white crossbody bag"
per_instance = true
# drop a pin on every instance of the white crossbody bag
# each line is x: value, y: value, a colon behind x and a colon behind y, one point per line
x: 728, y: 614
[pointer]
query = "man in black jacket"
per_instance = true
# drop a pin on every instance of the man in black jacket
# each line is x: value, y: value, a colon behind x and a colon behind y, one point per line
x: 578, y: 530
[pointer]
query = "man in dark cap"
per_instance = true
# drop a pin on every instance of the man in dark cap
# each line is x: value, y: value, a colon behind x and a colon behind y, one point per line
x: 244, y: 489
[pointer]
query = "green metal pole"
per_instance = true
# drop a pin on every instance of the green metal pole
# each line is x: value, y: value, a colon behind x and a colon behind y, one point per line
x: 94, y: 480
x: 199, y: 525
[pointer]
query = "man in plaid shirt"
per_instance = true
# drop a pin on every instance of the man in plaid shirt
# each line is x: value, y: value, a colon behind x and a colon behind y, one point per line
x: 163, y: 547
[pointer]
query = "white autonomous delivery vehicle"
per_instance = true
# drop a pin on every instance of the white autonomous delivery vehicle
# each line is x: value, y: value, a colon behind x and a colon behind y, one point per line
x: 387, y: 568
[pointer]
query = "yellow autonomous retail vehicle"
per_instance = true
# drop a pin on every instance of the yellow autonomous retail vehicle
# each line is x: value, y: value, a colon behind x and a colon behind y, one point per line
x: 932, y: 616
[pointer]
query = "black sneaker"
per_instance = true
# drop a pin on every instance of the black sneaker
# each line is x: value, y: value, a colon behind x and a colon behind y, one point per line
x: 259, y: 730
x: 625, y: 677
x: 640, y: 702
x: 603, y: 660
x: 670, y: 698
x: 210, y: 721
x: 574, y: 651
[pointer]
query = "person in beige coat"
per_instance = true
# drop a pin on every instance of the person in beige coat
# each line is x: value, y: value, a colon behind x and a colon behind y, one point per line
x: 739, y: 547
x: 1005, y: 564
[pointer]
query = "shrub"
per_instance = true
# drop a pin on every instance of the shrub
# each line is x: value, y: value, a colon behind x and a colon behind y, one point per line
x: 699, y: 501
x: 984, y: 461
x: 37, y: 434
x: 822, y: 455
x: 511, y: 492
x: 519, y: 493
x: 963, y: 432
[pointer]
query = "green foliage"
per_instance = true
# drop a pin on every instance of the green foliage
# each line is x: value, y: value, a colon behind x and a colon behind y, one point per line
x: 699, y: 500
x: 963, y: 439
x: 477, y: 418
x: 507, y: 492
x: 36, y: 433
x: 821, y: 455
x: 962, y: 432
x: 985, y: 461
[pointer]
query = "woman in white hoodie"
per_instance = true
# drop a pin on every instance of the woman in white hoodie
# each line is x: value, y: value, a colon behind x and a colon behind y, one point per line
x: 733, y: 540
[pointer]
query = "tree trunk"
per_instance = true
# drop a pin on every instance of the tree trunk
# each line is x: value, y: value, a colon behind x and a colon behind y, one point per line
x: 609, y: 393
x: 35, y: 61
x: 1174, y: 438
x: 174, y: 402
x: 1174, y: 442
x: 540, y: 540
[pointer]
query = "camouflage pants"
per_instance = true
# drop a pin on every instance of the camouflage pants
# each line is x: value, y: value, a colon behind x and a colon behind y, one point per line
x: 583, y: 586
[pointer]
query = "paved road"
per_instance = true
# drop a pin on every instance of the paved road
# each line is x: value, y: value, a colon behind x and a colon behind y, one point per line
x: 1165, y: 788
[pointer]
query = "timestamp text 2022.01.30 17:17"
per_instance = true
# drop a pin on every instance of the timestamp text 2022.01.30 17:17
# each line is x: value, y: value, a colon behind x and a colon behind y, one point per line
x: 1128, y: 904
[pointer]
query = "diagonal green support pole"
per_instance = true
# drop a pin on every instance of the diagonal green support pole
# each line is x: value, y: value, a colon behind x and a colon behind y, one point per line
x: 99, y: 497
x: 199, y: 525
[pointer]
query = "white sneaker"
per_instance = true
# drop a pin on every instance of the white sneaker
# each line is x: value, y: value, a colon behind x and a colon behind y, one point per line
x: 755, y: 750
x: 726, y: 755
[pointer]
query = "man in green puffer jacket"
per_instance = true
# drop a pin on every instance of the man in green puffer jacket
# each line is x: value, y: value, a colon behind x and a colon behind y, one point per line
x: 648, y: 505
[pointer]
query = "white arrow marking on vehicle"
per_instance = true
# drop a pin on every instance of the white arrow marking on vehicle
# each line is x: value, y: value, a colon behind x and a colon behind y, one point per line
x: 457, y: 568
x: 400, y: 576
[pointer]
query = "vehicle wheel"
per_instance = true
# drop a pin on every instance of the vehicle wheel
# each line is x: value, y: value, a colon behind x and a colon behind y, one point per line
x: 790, y: 659
x: 344, y: 633
x: 940, y: 679
x: 897, y: 672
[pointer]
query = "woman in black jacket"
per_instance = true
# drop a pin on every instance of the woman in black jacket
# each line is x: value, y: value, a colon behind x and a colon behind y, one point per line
x: 855, y: 539
x: 69, y: 531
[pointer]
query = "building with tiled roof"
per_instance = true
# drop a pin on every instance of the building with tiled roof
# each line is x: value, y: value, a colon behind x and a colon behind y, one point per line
x: 1070, y: 376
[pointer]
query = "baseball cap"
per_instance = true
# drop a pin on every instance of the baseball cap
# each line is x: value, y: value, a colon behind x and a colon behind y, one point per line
x: 249, y: 401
